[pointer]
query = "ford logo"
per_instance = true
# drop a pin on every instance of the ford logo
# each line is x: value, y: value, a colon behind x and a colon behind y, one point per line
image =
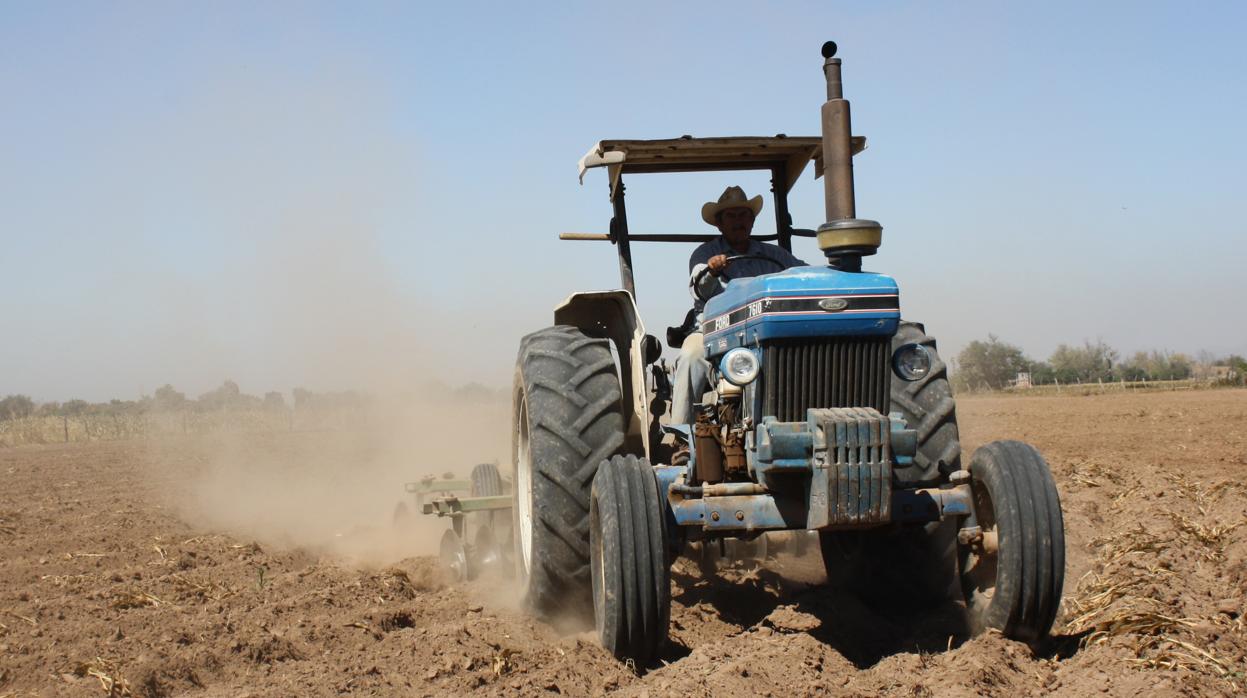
x: 832, y: 305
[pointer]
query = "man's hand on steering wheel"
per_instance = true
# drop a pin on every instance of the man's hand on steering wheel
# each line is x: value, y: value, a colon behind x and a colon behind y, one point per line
x: 723, y: 261
x: 717, y: 264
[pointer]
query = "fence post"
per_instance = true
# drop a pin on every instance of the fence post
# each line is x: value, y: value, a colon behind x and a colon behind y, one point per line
x: 65, y: 419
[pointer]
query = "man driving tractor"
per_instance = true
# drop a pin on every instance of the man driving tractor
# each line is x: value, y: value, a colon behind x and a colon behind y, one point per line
x: 733, y: 214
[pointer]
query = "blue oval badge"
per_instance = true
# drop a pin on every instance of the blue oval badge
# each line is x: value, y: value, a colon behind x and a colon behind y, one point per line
x: 832, y: 305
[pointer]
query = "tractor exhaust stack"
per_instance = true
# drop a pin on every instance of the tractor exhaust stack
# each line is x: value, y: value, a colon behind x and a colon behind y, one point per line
x: 844, y: 238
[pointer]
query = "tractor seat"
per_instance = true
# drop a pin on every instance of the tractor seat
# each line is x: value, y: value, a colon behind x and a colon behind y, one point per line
x: 677, y: 335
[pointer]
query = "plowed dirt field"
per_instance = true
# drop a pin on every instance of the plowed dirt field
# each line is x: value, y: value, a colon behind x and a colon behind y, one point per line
x: 116, y: 576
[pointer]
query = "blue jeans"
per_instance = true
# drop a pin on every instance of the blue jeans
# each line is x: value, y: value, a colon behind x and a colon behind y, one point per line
x: 690, y: 380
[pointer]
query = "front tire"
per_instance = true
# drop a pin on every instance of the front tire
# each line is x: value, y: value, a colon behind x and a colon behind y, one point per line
x: 1015, y: 588
x: 631, y: 580
x: 568, y: 418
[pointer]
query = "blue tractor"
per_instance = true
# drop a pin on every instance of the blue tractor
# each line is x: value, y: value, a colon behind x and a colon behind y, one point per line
x: 828, y: 413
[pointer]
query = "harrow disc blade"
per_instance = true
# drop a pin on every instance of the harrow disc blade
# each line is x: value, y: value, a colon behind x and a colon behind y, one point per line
x: 454, y: 557
x: 486, y: 553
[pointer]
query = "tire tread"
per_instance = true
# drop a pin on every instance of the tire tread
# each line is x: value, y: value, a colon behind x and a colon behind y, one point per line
x: 930, y: 409
x: 575, y: 421
x: 1030, y: 563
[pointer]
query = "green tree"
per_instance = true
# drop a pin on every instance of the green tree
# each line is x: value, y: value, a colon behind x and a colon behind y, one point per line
x: 1238, y: 369
x: 1176, y: 367
x: 228, y: 395
x: 990, y: 363
x: 167, y: 399
x: 303, y: 398
x: 1156, y: 366
x: 274, y: 401
x: 1085, y: 364
x: 1042, y: 373
x: 16, y: 407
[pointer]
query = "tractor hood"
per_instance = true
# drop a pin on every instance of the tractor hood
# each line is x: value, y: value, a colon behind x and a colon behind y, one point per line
x: 800, y: 302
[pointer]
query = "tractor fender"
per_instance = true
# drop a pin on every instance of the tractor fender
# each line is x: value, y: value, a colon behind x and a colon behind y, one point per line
x: 613, y: 315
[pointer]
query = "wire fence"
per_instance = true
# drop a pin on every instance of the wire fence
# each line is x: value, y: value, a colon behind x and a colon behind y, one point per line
x: 116, y: 425
x: 1105, y: 387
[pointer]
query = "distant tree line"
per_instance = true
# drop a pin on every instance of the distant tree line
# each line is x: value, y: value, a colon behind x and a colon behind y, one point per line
x: 168, y: 399
x: 168, y: 410
x: 995, y: 364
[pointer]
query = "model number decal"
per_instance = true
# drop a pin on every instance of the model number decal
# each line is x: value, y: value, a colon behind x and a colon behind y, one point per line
x: 796, y: 305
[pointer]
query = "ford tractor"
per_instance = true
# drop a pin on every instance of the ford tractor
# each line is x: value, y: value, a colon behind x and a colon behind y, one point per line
x: 826, y: 413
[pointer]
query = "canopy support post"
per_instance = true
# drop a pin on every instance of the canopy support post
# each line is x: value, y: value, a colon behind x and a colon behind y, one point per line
x: 619, y: 235
x: 783, y: 221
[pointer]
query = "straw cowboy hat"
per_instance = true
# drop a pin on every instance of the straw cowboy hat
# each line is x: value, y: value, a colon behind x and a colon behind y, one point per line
x: 732, y: 197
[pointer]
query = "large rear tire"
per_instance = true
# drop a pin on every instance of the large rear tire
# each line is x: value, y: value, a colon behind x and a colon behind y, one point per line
x: 568, y: 418
x: 631, y: 580
x: 1015, y: 588
x: 928, y: 407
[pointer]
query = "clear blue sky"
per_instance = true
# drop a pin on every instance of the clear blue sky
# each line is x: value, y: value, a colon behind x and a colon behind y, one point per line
x: 350, y: 195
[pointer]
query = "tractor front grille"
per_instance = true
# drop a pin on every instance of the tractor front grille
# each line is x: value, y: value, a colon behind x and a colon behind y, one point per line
x: 824, y: 372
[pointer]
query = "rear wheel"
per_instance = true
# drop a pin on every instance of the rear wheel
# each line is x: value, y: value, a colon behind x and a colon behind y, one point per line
x: 631, y: 580
x: 568, y: 418
x: 1012, y: 578
x: 928, y: 407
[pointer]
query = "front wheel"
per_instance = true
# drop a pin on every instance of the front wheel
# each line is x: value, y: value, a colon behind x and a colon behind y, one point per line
x: 1013, y: 574
x: 627, y: 544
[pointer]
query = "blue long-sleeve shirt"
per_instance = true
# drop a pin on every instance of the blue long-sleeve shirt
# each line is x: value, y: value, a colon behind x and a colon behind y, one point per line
x: 713, y: 285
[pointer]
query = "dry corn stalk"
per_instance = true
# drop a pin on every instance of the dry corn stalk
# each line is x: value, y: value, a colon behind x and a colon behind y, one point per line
x: 28, y: 619
x: 106, y: 672
x: 1208, y: 535
x: 135, y: 599
x: 502, y: 661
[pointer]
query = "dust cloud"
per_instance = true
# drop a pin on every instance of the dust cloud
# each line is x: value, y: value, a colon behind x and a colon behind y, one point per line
x: 291, y: 185
x: 337, y: 491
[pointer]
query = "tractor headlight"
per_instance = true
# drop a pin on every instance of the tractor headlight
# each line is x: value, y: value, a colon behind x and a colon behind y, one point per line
x: 912, y: 362
x: 739, y: 366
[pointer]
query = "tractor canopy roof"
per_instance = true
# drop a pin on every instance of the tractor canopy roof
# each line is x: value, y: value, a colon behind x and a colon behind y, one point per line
x: 782, y: 154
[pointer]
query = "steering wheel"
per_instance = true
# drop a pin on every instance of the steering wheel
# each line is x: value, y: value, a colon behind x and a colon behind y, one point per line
x: 701, y: 275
